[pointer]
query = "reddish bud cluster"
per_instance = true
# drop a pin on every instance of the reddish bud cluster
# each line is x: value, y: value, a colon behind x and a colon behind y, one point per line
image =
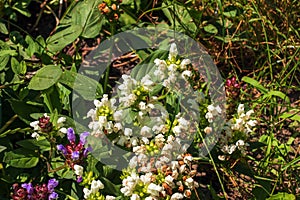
x: 110, y: 10
x: 232, y: 87
x: 45, y: 124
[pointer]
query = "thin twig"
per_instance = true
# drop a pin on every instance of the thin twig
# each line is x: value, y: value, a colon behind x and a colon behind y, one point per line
x: 9, y: 122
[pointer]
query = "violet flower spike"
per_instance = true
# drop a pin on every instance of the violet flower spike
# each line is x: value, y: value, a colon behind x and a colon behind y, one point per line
x: 28, y: 187
x: 52, y: 183
x: 83, y: 137
x: 53, y: 195
x: 62, y: 148
x: 71, y: 135
x: 85, y: 152
x: 75, y: 155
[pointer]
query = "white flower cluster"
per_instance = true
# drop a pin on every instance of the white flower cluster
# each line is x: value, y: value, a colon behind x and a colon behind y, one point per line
x: 236, y: 132
x: 168, y: 72
x: 95, y: 186
x: 212, y: 112
x: 160, y: 183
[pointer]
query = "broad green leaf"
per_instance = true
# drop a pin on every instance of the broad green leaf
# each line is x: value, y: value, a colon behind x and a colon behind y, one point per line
x: 211, y: 29
x: 255, y: 83
x: 23, y: 110
x: 45, y: 77
x: 86, y: 87
x: 86, y: 14
x: 282, y: 196
x: 21, y: 7
x: 3, y: 28
x: 63, y: 37
x: 183, y: 19
x: 33, y: 144
x: 230, y: 13
x: 21, y: 158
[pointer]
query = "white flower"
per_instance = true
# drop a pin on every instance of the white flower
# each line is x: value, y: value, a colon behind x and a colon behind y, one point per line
x: 169, y: 180
x: 108, y: 197
x: 146, y: 131
x: 240, y: 109
x: 35, y: 135
x: 154, y: 189
x: 231, y: 149
x: 186, y: 73
x: 87, y: 193
x: 135, y: 197
x: 173, y: 51
x: 187, y: 159
x: 146, y: 82
x: 240, y: 143
x: 96, y: 185
x: 146, y: 179
x: 78, y: 170
x: 189, y: 183
x: 208, y: 130
x: 61, y: 120
x: 128, y: 132
x: 177, y: 196
x: 118, y: 115
x: 35, y: 125
x: 117, y: 127
x: 142, y: 105
x: 221, y: 157
x: 184, y: 63
x: 63, y: 130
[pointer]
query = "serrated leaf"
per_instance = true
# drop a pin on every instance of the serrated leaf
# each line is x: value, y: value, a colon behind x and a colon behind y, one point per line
x: 62, y: 38
x: 21, y: 158
x: 45, y: 77
x: 211, y: 29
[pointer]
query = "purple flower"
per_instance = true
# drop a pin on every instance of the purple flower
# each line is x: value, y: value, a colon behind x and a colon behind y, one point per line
x: 52, y: 183
x: 71, y: 135
x: 85, y: 152
x: 79, y: 179
x: 62, y: 148
x: 28, y: 187
x: 83, y: 137
x: 75, y: 155
x: 53, y: 195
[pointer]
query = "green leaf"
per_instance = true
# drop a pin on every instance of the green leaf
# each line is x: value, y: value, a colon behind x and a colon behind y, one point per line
x: 32, y: 46
x: 278, y: 94
x: 2, y: 148
x: 87, y: 15
x: 21, y: 158
x: 23, y: 110
x: 211, y: 29
x: 3, y: 28
x: 282, y: 196
x: 62, y: 38
x: 86, y: 87
x: 21, y: 7
x: 45, y: 77
x: 18, y: 68
x: 255, y: 83
x: 33, y: 144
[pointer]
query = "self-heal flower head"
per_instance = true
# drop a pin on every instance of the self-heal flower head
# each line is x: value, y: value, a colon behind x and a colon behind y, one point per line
x: 52, y: 183
x: 71, y: 135
x: 62, y: 148
x: 88, y: 149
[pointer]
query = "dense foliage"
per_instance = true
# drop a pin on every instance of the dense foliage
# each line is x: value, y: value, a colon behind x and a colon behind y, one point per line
x: 75, y: 126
